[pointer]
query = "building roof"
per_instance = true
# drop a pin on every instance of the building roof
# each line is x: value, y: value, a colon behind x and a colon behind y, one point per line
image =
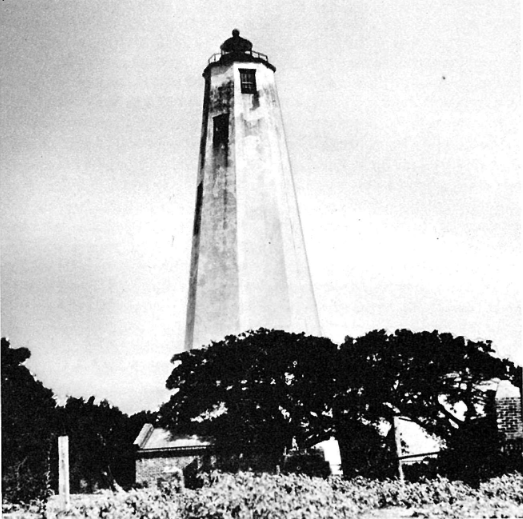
x: 155, y: 439
x: 507, y: 390
x: 237, y: 49
x: 236, y: 43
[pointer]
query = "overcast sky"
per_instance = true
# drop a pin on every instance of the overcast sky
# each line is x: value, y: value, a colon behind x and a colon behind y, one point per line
x: 401, y: 119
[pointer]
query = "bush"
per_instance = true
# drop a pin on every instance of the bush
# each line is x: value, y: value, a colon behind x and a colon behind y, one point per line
x: 248, y: 495
x: 310, y: 463
x: 26, y: 481
x: 498, y: 497
x: 118, y: 505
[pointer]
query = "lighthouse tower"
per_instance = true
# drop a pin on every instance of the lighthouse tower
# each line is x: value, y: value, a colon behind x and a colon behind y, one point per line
x: 249, y: 267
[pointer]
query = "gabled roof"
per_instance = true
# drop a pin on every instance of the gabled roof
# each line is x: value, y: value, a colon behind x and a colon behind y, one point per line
x: 153, y: 439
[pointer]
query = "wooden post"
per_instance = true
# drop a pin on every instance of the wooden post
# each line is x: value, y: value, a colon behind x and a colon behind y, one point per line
x: 63, y: 470
x: 397, y: 441
x: 521, y: 392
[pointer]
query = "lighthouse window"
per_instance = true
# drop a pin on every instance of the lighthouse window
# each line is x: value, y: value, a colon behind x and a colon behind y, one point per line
x: 221, y: 130
x: 248, y: 81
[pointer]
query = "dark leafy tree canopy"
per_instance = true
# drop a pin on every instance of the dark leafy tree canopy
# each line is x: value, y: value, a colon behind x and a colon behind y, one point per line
x: 96, y: 445
x: 100, y: 436
x: 28, y: 422
x: 100, y: 442
x: 260, y: 388
x: 436, y: 380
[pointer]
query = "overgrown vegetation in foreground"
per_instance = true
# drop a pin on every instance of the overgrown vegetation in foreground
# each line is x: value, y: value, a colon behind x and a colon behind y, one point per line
x: 247, y: 495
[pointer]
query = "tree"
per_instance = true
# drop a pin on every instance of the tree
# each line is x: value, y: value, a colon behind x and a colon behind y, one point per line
x: 100, y: 436
x: 28, y: 424
x: 255, y: 393
x: 101, y: 443
x: 436, y: 380
x: 258, y: 391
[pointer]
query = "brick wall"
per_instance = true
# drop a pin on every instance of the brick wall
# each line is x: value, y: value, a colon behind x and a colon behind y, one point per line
x: 508, y: 411
x: 151, y: 470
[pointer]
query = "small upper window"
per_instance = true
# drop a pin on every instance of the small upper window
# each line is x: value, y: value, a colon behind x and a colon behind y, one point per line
x: 221, y: 130
x: 248, y: 81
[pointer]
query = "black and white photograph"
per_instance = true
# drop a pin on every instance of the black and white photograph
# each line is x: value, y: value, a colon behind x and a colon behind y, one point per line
x: 261, y: 259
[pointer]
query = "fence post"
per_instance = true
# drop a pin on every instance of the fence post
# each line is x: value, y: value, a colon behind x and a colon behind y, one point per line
x: 397, y: 442
x: 63, y: 470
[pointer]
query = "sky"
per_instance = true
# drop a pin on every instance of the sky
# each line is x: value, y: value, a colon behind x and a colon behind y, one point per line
x: 402, y: 122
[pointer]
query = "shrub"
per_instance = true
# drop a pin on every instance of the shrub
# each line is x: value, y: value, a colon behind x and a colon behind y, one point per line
x: 498, y: 497
x: 310, y: 463
x: 118, y: 505
x: 264, y: 496
x: 247, y: 495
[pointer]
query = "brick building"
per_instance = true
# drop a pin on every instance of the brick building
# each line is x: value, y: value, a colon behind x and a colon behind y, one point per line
x: 509, y: 418
x: 161, y: 454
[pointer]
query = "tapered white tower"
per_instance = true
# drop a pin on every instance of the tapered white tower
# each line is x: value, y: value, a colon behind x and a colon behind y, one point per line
x: 249, y: 267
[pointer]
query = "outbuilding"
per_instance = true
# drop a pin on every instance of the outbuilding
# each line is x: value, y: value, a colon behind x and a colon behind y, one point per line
x: 161, y: 455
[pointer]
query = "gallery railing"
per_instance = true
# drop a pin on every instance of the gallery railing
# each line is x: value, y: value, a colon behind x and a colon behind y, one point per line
x: 257, y: 55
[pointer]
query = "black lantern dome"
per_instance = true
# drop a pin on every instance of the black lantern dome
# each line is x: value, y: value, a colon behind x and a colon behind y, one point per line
x: 236, y: 43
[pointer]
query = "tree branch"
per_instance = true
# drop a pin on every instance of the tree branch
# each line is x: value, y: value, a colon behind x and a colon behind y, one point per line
x: 449, y: 415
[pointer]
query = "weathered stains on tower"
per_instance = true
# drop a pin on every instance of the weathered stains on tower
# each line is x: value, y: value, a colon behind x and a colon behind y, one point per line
x: 248, y: 267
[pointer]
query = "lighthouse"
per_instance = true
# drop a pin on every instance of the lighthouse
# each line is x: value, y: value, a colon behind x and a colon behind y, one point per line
x: 249, y: 266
